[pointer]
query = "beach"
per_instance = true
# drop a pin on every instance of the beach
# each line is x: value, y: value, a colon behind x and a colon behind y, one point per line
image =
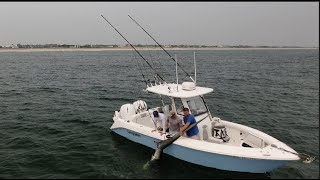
x: 129, y: 49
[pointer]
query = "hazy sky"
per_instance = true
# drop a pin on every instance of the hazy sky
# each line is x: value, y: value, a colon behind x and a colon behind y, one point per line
x: 208, y: 23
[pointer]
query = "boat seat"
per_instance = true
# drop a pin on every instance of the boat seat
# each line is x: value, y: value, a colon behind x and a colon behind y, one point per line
x: 206, y: 136
x: 217, y: 134
x: 145, y: 119
x: 219, y: 131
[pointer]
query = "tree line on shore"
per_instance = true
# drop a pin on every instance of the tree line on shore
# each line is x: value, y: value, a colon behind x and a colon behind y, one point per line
x: 137, y: 45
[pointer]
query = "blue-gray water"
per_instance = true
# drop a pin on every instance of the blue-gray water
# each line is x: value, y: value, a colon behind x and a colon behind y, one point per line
x: 56, y: 109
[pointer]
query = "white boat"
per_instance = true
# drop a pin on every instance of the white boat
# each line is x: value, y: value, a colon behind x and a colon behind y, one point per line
x: 246, y: 149
x: 222, y: 144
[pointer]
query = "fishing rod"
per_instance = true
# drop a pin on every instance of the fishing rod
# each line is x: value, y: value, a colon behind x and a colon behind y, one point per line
x: 134, y: 49
x: 165, y: 143
x: 205, y: 104
x: 161, y: 47
x: 140, y: 70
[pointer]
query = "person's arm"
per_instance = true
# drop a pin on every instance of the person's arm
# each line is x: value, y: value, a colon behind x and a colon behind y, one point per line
x: 155, y: 123
x: 180, y: 122
x: 184, y: 128
x: 181, y: 117
x: 164, y: 128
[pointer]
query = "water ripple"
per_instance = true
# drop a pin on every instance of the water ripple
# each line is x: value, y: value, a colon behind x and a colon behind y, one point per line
x: 56, y: 109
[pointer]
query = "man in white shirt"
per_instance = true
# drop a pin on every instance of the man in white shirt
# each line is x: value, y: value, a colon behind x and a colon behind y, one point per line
x: 160, y: 121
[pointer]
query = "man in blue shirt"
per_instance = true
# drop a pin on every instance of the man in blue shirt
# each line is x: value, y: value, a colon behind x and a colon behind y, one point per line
x: 188, y: 120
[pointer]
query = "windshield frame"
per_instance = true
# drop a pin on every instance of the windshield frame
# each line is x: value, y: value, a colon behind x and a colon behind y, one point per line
x: 199, y: 105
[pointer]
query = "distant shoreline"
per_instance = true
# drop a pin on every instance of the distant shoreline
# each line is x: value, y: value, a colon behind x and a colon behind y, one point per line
x: 128, y: 49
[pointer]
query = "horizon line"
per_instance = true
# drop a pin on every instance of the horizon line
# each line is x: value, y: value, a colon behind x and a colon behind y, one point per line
x: 143, y: 45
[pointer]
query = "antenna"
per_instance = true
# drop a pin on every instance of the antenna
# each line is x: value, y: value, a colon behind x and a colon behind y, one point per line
x: 195, y: 68
x: 175, y: 57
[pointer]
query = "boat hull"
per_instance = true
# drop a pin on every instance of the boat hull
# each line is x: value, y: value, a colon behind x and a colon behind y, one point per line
x: 212, y: 160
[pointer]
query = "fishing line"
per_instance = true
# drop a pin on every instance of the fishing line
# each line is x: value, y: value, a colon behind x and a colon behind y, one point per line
x: 134, y: 49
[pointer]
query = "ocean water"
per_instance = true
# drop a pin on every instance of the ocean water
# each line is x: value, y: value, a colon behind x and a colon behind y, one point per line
x: 56, y: 109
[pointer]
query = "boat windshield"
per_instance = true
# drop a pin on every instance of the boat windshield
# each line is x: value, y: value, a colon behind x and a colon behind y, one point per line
x: 197, y: 106
x: 179, y: 106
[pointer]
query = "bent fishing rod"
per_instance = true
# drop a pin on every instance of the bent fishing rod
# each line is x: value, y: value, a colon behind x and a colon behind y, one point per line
x: 161, y: 47
x: 134, y: 49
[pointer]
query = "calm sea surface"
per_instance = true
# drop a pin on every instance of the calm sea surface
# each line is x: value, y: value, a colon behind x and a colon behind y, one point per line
x: 56, y: 109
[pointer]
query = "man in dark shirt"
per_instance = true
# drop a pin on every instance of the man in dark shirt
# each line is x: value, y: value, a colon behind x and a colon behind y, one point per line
x: 188, y: 120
